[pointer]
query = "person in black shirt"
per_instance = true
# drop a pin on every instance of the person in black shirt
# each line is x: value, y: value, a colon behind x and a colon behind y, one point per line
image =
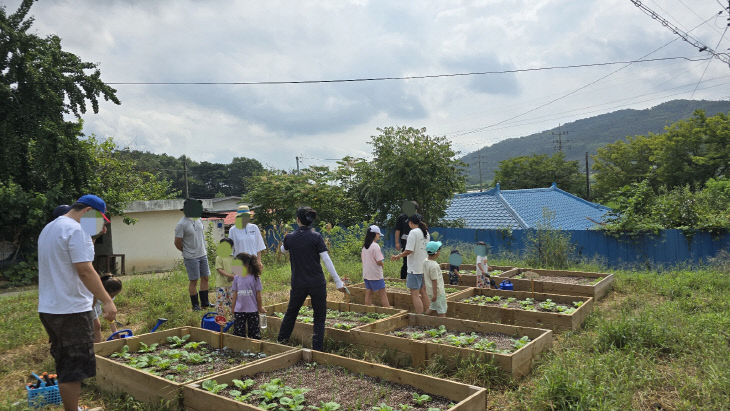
x: 306, y: 247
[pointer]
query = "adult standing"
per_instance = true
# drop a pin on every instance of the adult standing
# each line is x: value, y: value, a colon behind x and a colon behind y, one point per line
x: 306, y: 247
x: 190, y: 240
x: 246, y: 236
x: 67, y: 285
x: 415, y: 253
x: 402, y: 229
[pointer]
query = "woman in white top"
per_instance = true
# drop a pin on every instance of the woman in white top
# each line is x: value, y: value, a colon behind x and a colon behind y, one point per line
x: 415, y: 253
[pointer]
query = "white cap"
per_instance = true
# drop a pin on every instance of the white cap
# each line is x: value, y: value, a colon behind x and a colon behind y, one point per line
x: 375, y: 229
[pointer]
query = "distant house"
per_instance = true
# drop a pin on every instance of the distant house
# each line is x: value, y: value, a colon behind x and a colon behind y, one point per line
x: 148, y: 244
x: 224, y: 204
x: 523, y: 209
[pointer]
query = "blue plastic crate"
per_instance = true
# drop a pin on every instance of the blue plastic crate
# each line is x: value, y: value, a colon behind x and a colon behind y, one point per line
x: 42, y: 396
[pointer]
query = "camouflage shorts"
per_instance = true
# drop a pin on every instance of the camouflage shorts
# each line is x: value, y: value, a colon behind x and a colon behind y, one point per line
x: 72, y: 344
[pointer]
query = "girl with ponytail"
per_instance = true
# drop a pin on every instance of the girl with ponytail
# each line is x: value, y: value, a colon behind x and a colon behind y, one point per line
x: 415, y: 253
x: 246, y: 289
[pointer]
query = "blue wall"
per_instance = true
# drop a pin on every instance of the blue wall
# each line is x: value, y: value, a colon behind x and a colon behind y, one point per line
x: 668, y: 248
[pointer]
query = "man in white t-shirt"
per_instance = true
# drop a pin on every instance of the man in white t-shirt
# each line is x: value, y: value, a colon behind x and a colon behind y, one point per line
x: 245, y: 235
x: 67, y: 285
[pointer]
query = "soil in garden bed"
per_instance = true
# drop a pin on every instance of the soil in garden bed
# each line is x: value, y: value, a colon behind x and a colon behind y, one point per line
x: 490, y: 342
x: 181, y: 361
x: 559, y: 279
x: 319, y: 384
x: 528, y: 304
x: 400, y: 287
x: 343, y: 320
x: 473, y: 272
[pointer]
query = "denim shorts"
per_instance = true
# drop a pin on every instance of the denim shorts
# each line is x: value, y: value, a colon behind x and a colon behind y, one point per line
x: 414, y: 281
x: 374, y: 285
x: 197, y: 267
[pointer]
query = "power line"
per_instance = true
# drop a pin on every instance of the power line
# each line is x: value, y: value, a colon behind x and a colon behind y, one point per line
x: 724, y: 57
x: 708, y: 65
x: 480, y: 129
x: 427, y: 76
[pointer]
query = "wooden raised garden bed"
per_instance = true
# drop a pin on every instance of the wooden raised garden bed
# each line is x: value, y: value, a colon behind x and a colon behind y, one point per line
x: 398, y: 294
x: 175, y: 361
x: 511, y: 348
x: 468, y: 273
x: 595, y: 285
x: 310, y: 378
x: 341, y: 318
x: 551, y: 311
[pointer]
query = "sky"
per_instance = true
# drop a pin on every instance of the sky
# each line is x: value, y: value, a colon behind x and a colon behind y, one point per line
x: 244, y: 41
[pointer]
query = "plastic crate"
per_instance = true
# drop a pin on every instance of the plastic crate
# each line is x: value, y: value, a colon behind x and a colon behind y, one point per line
x: 42, y: 396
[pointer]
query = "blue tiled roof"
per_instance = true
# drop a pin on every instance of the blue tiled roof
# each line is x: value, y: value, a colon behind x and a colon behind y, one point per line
x: 520, y: 209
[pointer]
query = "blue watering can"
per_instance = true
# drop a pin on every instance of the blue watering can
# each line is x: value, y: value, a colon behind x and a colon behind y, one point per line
x: 506, y: 285
x: 128, y: 333
x: 208, y: 322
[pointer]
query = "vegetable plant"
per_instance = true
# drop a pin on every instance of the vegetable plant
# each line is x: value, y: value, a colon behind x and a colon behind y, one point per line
x: 382, y: 407
x: 176, y: 341
x: 143, y: 348
x: 326, y: 406
x: 421, y: 399
x: 213, y: 386
x: 124, y: 353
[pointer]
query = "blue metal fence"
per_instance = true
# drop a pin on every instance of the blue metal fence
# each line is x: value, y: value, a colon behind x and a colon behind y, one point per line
x: 668, y: 248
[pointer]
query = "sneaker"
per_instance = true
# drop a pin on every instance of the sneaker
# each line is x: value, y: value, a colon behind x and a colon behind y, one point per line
x: 196, y: 308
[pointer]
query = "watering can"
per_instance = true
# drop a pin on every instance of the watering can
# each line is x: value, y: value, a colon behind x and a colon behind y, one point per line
x: 208, y: 322
x: 128, y: 333
x: 506, y: 285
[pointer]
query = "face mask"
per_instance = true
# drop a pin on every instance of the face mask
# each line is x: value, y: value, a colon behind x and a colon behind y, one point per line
x: 242, y: 220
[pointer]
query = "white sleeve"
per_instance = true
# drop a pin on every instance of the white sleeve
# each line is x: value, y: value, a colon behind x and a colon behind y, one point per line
x: 331, y: 268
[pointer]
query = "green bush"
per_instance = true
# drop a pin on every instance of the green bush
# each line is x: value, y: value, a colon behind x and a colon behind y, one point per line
x: 547, y: 247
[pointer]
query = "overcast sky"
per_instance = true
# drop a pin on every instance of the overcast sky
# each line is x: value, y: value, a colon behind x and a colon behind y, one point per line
x: 191, y: 41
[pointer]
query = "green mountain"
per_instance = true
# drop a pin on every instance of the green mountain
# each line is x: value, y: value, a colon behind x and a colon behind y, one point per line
x: 587, y: 135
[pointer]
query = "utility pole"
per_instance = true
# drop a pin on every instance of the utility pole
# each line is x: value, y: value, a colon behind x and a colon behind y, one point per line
x: 185, y: 172
x: 480, y: 171
x: 588, y: 180
x: 558, y: 141
x: 297, y: 158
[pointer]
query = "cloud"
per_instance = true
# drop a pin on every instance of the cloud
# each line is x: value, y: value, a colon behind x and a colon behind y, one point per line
x: 261, y: 41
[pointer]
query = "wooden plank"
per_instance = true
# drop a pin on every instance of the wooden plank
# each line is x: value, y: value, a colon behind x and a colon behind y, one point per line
x: 517, y: 364
x: 514, y: 316
x: 115, y: 377
x: 466, y: 397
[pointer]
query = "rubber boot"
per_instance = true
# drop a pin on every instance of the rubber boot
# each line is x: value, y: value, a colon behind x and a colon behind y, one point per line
x: 194, y: 301
x: 204, y: 299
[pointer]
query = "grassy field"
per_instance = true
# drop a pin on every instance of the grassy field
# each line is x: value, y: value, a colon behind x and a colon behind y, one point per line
x: 658, y: 341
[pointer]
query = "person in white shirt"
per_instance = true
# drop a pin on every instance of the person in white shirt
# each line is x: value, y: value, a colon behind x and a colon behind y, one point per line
x: 67, y: 285
x: 415, y: 253
x: 245, y: 235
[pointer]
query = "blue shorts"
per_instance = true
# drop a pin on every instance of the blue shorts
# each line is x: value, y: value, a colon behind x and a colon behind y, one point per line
x: 414, y: 281
x: 197, y: 267
x: 374, y: 285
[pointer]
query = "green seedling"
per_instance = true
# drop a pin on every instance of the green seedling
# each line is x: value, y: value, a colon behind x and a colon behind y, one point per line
x: 577, y: 304
x: 196, y: 358
x: 213, y: 386
x: 176, y: 341
x: 326, y: 406
x: 421, y: 399
x: 244, y: 385
x: 194, y: 345
x: 521, y: 342
x: 485, y: 345
x: 404, y: 407
x: 124, y: 353
x: 382, y: 407
x: 143, y: 348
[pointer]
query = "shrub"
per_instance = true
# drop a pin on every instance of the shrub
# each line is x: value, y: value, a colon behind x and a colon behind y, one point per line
x: 547, y: 247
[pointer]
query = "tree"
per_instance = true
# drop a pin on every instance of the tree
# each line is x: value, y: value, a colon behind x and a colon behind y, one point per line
x: 688, y: 154
x: 539, y: 170
x: 408, y: 164
x: 42, y: 159
x: 276, y: 195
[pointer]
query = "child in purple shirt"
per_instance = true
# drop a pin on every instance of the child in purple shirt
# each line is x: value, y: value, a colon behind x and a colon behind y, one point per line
x: 246, y: 289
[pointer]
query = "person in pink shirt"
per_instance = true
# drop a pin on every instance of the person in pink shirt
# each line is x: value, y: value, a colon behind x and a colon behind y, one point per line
x: 372, y: 267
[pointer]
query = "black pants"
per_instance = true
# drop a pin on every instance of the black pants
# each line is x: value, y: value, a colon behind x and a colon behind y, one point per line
x: 242, y: 321
x: 319, y: 305
x: 404, y: 267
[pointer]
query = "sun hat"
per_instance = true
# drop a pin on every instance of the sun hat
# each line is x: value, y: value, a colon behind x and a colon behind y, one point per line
x: 94, y: 202
x: 433, y: 247
x: 374, y: 229
x: 243, y: 209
